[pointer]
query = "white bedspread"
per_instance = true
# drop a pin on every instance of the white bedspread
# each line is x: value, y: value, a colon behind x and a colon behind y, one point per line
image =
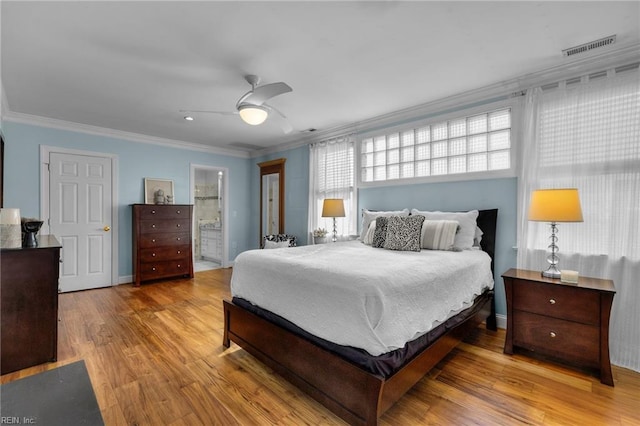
x: 355, y: 295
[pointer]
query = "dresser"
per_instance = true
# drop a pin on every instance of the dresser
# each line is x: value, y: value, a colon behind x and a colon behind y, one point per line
x: 567, y: 322
x: 162, y: 241
x: 29, y: 305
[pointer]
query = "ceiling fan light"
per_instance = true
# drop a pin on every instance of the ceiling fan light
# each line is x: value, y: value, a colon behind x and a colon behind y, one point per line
x: 253, y: 114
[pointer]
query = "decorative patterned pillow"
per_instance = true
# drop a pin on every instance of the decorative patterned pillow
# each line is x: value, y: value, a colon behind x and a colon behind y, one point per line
x: 403, y: 233
x: 466, y: 220
x: 369, y: 215
x: 291, y: 240
x: 438, y: 234
x: 380, y: 234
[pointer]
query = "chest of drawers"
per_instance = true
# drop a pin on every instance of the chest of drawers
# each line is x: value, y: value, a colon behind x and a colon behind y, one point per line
x: 162, y: 241
x: 568, y: 322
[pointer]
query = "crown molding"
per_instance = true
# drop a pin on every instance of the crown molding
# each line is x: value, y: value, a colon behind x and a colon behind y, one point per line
x: 612, y: 58
x: 54, y: 123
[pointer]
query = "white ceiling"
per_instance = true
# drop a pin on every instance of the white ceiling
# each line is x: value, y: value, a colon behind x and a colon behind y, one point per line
x: 131, y: 66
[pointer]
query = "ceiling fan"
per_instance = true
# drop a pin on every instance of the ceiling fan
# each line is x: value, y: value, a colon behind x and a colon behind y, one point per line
x: 252, y: 106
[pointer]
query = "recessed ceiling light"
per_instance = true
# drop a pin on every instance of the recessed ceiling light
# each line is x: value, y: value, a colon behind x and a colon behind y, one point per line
x: 188, y: 118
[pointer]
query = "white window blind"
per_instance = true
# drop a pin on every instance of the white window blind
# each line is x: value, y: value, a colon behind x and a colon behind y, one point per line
x: 476, y: 143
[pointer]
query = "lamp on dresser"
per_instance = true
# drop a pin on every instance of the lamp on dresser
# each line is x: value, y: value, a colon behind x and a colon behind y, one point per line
x: 554, y: 205
x: 333, y: 207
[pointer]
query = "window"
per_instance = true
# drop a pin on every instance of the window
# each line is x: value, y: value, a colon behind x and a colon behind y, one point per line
x: 476, y: 143
x: 332, y: 175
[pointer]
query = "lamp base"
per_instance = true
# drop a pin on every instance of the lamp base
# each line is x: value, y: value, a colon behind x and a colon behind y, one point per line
x: 552, y: 272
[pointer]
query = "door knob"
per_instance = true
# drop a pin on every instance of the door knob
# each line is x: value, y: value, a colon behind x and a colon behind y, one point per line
x: 107, y: 228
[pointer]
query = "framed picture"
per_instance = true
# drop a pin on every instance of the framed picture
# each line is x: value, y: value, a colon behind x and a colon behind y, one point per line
x: 158, y: 191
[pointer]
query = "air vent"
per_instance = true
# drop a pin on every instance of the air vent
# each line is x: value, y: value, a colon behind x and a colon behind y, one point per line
x: 590, y: 46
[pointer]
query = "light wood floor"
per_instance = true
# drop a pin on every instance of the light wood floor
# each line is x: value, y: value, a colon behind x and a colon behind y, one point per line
x: 155, y: 357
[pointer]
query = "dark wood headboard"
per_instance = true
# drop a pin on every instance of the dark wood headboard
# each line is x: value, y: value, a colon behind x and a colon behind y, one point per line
x: 487, y: 220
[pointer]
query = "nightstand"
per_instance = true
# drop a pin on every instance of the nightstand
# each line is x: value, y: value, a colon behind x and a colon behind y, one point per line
x: 568, y: 322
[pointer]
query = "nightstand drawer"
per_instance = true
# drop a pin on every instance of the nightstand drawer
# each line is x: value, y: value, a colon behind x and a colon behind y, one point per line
x: 557, y: 301
x: 571, y: 341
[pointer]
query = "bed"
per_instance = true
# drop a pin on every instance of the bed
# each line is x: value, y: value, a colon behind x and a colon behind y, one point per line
x: 358, y: 381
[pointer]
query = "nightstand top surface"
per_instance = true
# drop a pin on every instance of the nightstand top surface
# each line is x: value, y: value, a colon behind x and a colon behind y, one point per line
x: 583, y: 282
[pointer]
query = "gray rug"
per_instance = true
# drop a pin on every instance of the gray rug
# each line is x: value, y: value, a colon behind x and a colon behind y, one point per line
x: 63, y: 396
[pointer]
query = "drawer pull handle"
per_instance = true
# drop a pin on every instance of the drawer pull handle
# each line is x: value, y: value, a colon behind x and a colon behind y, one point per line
x: 178, y: 211
x: 153, y: 212
x: 153, y: 225
x: 153, y: 255
x: 179, y: 266
x: 178, y: 251
x: 552, y: 301
x: 178, y: 238
x: 552, y: 334
x: 153, y: 241
x: 178, y: 225
x: 153, y: 269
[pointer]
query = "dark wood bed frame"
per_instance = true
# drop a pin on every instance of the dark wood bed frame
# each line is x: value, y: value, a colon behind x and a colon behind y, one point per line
x: 356, y: 395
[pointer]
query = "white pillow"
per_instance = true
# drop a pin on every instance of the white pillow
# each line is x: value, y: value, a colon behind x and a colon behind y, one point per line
x: 369, y: 215
x: 438, y: 234
x: 368, y: 237
x: 275, y: 244
x: 466, y: 220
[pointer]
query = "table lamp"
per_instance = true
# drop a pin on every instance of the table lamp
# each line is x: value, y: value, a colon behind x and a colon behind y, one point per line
x: 333, y: 207
x: 554, y: 205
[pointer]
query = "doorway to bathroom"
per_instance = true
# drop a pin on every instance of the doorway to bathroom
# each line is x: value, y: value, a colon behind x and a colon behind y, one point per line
x: 208, y: 192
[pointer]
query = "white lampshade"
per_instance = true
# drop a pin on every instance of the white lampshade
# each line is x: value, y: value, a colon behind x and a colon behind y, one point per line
x: 10, y: 228
x: 253, y: 114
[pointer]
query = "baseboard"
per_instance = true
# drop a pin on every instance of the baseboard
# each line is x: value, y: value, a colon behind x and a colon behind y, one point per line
x: 501, y: 321
x: 126, y: 279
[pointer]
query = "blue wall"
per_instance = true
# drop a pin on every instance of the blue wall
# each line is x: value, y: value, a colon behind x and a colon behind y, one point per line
x: 139, y: 160
x: 135, y: 162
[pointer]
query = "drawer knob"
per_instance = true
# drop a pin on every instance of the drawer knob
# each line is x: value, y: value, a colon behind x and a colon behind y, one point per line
x: 153, y: 269
x: 153, y: 255
x: 178, y: 238
x: 153, y: 225
x: 178, y: 211
x: 153, y: 241
x: 552, y: 301
x: 552, y: 334
x: 178, y: 251
x: 153, y: 212
x: 178, y: 225
x: 179, y: 266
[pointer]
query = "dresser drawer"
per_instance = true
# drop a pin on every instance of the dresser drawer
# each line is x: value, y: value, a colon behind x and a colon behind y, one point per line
x: 169, y: 268
x: 164, y: 225
x: 163, y: 212
x: 160, y: 240
x: 568, y: 340
x: 557, y: 301
x: 165, y: 253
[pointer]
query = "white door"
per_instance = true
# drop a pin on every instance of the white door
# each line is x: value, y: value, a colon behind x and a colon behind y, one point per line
x: 80, y: 217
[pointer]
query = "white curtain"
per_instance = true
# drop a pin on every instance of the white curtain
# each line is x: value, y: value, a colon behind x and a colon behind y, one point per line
x: 331, y: 175
x: 585, y: 134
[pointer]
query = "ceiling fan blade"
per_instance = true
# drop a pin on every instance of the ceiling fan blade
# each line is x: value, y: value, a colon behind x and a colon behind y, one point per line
x: 261, y: 94
x: 283, y: 121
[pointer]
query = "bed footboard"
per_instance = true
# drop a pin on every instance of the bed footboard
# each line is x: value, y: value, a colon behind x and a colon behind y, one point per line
x: 357, y: 396
x: 345, y: 389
